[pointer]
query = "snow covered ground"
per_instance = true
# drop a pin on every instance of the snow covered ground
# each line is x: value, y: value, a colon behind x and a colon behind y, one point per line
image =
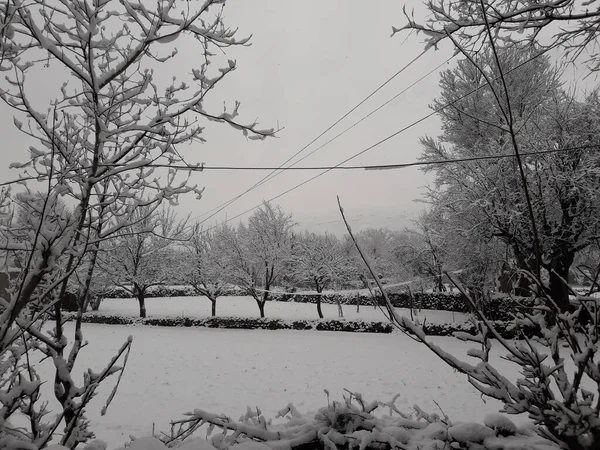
x: 246, y: 307
x: 174, y: 370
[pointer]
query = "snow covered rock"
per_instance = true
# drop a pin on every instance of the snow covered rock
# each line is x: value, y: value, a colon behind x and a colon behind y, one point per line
x: 519, y: 443
x: 96, y: 444
x: 469, y: 433
x: 400, y: 434
x: 501, y: 424
x: 436, y: 431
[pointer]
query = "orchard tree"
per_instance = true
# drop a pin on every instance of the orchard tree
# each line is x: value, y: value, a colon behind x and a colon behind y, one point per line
x: 427, y: 252
x: 141, y: 254
x: 204, y: 265
x: 471, y: 254
x: 379, y: 245
x: 257, y: 254
x: 318, y: 259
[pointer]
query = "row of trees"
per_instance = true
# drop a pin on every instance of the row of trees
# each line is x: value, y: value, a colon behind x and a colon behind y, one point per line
x: 263, y: 254
x: 257, y: 256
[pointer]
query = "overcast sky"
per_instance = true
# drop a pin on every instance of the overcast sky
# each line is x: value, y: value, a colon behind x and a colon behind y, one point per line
x: 309, y: 63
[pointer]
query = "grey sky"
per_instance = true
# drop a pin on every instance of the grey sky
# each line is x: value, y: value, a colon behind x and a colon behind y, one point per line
x: 309, y: 63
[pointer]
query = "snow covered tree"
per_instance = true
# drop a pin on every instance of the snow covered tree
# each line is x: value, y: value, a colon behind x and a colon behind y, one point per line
x: 571, y: 26
x: 103, y: 142
x: 257, y: 254
x: 204, y: 266
x: 563, y: 190
x: 587, y: 267
x: 380, y: 246
x: 425, y: 253
x: 140, y: 254
x: 318, y: 259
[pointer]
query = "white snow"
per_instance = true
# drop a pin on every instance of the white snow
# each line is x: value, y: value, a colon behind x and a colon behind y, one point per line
x: 240, y: 306
x: 147, y: 443
x: 470, y: 432
x: 500, y: 423
x: 175, y: 370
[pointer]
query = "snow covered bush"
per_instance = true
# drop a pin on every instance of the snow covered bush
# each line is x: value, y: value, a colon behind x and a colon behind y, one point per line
x: 560, y: 401
x: 247, y: 323
x: 496, y: 307
x: 354, y: 423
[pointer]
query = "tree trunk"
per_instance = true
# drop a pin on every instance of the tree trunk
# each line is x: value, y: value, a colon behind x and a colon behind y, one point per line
x: 95, y: 302
x: 440, y: 281
x: 319, y: 290
x: 142, y: 301
x: 261, y: 301
x: 213, y: 309
x: 559, y: 274
x: 523, y: 285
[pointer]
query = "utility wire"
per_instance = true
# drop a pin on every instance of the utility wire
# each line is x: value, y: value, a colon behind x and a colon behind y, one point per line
x: 364, y: 118
x: 403, y: 166
x: 387, y: 138
x: 383, y: 166
x: 280, y: 169
x: 263, y: 180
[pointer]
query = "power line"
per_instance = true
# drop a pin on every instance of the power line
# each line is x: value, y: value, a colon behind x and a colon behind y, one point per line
x: 387, y: 138
x: 271, y: 175
x: 405, y: 165
x: 382, y: 166
x: 387, y: 102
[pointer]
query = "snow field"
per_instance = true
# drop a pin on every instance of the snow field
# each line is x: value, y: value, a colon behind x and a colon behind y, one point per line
x: 245, y: 306
x: 175, y: 370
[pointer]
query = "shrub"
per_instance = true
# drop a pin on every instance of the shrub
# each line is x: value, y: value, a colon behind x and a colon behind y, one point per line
x: 348, y: 424
x: 506, y: 328
x: 247, y: 323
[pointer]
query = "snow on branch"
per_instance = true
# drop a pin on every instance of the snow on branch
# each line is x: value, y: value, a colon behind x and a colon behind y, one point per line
x: 348, y: 424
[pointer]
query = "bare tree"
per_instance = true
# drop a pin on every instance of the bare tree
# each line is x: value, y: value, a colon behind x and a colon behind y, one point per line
x: 205, y: 266
x: 257, y: 254
x: 140, y: 255
x: 380, y: 245
x: 427, y: 252
x: 318, y: 259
